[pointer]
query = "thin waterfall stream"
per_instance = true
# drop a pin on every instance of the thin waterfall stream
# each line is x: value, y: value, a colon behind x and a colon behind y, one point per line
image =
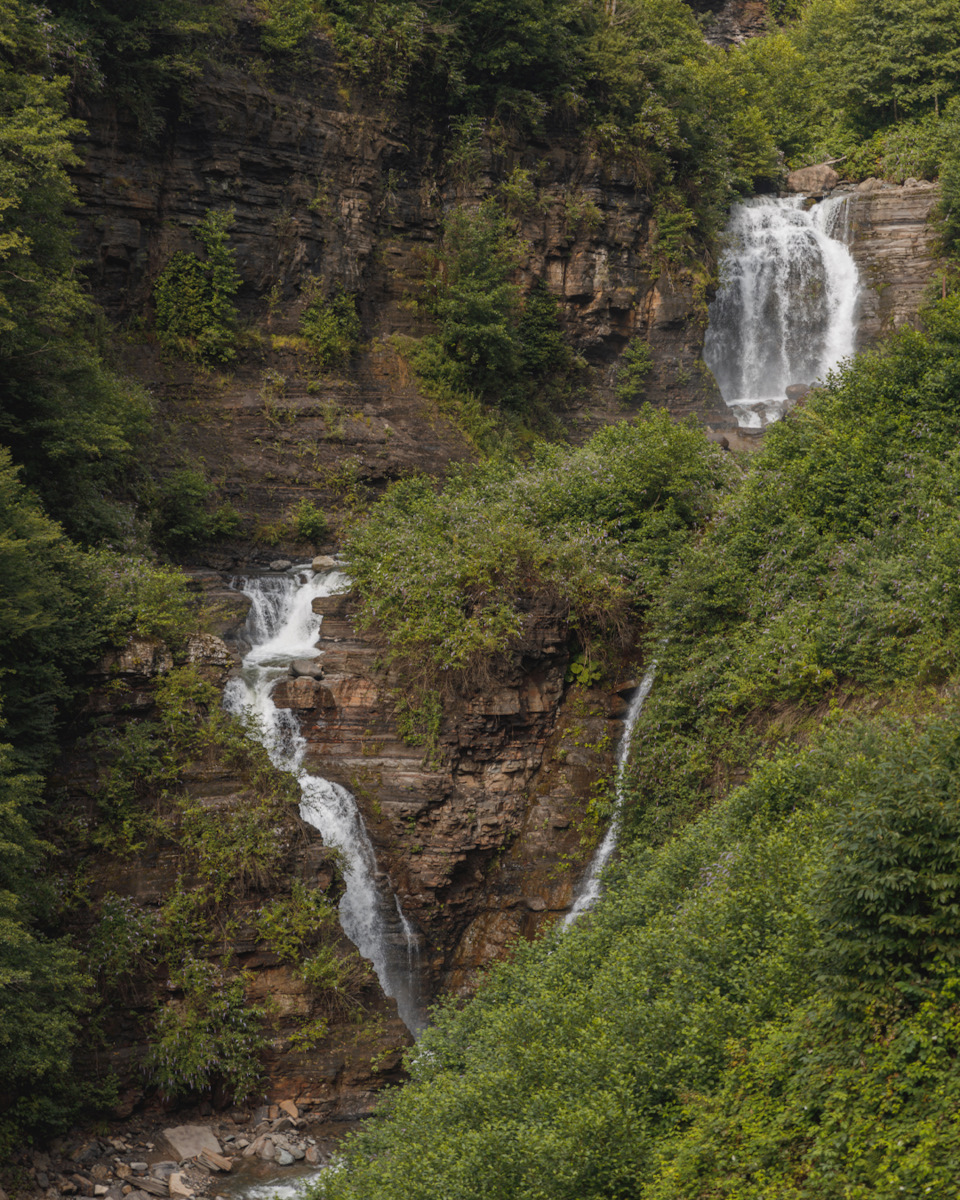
x: 785, y: 314
x: 282, y: 626
x: 589, y: 890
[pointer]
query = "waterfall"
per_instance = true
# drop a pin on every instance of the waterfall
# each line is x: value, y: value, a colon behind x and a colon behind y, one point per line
x: 589, y: 889
x: 282, y: 626
x: 786, y: 310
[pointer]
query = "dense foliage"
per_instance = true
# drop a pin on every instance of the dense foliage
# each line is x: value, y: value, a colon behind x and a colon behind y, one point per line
x: 447, y: 577
x: 834, y: 566
x: 193, y: 296
x: 579, y: 1068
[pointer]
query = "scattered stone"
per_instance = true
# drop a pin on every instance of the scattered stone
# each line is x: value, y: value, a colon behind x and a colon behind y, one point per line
x: 43, y: 1180
x: 242, y: 1143
x: 100, y: 1189
x: 281, y: 564
x: 273, y: 1112
x: 288, y: 1106
x: 179, y: 1186
x: 154, y: 1187
x: 100, y: 1172
x: 164, y: 1170
x: 820, y: 178
x: 189, y: 1140
x: 254, y: 1148
x: 139, y: 1168
x: 216, y: 1162
x: 122, y: 1170
x: 324, y: 562
x: 84, y: 1184
x: 284, y: 1158
x: 312, y: 1155
x: 282, y: 1125
x: 266, y: 1151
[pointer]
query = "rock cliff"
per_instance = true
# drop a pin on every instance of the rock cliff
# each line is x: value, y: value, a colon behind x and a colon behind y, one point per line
x: 326, y: 181
x: 339, y: 1069
x: 893, y: 241
x: 484, y: 830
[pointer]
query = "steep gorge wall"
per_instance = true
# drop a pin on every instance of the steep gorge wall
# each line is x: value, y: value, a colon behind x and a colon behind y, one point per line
x: 893, y: 240
x: 356, y: 1048
x: 326, y: 180
x: 484, y: 834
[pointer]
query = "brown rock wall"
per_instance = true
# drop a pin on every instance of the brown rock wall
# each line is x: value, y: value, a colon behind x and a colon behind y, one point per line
x: 892, y: 238
x: 325, y: 181
x: 343, y: 1069
x: 484, y: 835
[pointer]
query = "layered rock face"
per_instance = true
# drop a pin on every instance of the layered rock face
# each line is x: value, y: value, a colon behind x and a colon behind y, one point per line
x: 340, y: 1071
x: 483, y: 829
x: 325, y: 181
x: 893, y: 241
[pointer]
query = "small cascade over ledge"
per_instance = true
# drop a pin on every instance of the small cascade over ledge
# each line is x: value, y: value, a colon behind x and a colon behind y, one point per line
x: 589, y: 890
x: 786, y: 311
x: 281, y: 627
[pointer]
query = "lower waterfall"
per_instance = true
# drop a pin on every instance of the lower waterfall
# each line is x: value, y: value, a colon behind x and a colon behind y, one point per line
x: 786, y: 310
x: 282, y: 626
x: 589, y: 889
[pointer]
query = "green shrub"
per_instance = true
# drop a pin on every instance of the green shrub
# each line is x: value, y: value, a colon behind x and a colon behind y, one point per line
x: 636, y: 363
x: 286, y: 24
x: 309, y: 524
x: 193, y: 297
x: 210, y: 1039
x: 332, y: 328
x: 182, y: 513
x: 447, y: 577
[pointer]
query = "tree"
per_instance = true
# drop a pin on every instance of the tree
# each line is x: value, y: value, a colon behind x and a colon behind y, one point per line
x: 64, y: 416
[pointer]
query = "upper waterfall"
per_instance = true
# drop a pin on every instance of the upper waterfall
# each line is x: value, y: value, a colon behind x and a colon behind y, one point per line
x: 786, y: 310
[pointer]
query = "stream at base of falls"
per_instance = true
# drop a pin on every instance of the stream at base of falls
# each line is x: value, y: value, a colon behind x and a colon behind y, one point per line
x: 785, y: 314
x: 282, y: 626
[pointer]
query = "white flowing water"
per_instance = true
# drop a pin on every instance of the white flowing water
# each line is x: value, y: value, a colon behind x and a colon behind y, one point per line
x: 589, y: 890
x: 281, y: 627
x: 786, y: 310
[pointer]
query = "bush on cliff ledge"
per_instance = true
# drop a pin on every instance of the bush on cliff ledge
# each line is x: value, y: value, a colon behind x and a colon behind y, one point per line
x: 447, y: 577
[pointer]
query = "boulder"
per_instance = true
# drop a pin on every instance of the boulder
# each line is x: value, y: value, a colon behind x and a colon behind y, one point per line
x: 820, y: 178
x: 873, y: 184
x: 179, y: 1187
x: 189, y: 1140
x: 281, y: 564
x: 311, y: 668
x: 325, y: 562
x: 288, y: 1106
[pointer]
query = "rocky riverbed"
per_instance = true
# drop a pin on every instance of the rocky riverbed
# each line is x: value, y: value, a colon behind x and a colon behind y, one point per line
x: 276, y: 1147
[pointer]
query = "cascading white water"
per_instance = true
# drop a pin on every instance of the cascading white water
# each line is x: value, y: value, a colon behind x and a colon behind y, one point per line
x: 589, y: 890
x: 282, y: 626
x: 786, y: 309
